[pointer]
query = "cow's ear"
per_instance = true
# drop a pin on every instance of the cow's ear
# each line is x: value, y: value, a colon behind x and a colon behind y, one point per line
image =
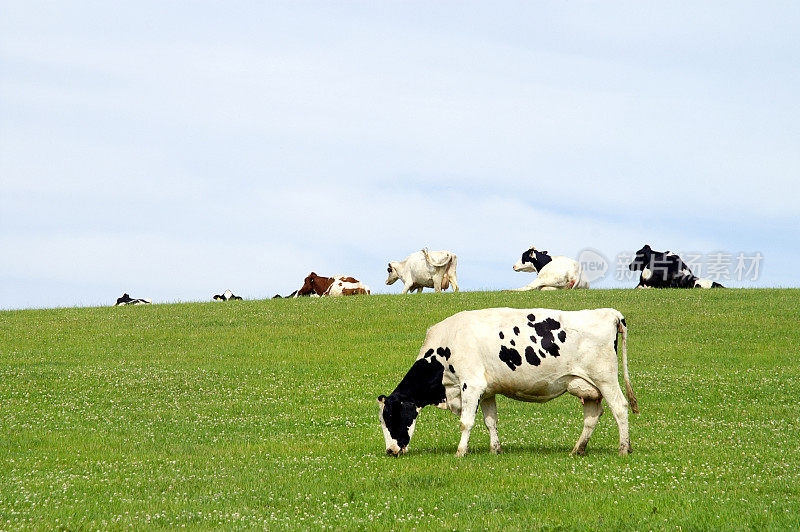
x: 381, y: 399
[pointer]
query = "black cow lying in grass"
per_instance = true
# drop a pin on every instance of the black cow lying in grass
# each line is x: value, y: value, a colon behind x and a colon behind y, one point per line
x: 227, y: 296
x: 666, y: 270
x: 128, y: 300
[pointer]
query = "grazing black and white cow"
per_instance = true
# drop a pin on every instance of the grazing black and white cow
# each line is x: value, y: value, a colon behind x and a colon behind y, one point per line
x: 425, y: 269
x: 226, y: 296
x: 559, y: 273
x: 666, y: 270
x: 128, y: 300
x: 529, y: 355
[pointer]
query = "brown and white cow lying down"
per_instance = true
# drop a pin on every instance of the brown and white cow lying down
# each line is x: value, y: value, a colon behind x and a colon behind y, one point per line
x: 338, y: 285
x: 530, y: 355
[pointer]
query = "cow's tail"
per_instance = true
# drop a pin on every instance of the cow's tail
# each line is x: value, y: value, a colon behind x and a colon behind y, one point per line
x: 622, y: 329
x: 445, y: 262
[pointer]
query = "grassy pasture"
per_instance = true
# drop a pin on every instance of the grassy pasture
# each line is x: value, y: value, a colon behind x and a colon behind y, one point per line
x: 262, y: 414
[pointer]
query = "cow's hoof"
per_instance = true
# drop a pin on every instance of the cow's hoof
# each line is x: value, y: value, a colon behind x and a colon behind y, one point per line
x: 496, y: 449
x: 624, y: 448
x: 578, y: 452
x: 461, y: 452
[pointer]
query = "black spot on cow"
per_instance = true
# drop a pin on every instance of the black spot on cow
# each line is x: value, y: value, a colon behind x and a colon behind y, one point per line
x: 513, y: 343
x: 464, y: 388
x: 511, y: 357
x: 533, y: 339
x: 545, y: 331
x: 562, y: 335
x: 516, y: 330
x: 429, y: 353
x: 451, y: 368
x: 443, y: 352
x: 502, y: 335
x: 623, y: 322
x: 531, y: 317
x: 531, y: 357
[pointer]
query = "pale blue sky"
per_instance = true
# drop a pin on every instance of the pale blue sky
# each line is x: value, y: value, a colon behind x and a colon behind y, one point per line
x: 173, y: 150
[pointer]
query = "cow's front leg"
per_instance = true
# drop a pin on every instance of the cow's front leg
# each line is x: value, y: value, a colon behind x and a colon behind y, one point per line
x: 437, y: 283
x: 489, y: 408
x: 534, y: 285
x: 470, y: 397
x: 406, y: 287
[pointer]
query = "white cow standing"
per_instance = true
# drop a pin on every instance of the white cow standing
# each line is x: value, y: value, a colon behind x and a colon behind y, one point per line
x: 530, y: 355
x: 425, y: 269
x: 559, y: 273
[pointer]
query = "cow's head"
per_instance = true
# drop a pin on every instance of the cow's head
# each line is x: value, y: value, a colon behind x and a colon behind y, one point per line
x: 532, y: 261
x: 398, y: 419
x: 393, y: 275
x: 309, y: 285
x: 642, y: 258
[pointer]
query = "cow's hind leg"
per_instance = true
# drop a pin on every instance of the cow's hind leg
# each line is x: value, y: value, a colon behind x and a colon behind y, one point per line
x: 453, y: 280
x: 489, y: 408
x: 438, y: 281
x: 592, y: 410
x: 470, y: 397
x: 619, y: 408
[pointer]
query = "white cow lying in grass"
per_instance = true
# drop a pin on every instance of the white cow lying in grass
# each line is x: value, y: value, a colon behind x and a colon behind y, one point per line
x: 529, y: 355
x: 559, y: 273
x: 425, y: 269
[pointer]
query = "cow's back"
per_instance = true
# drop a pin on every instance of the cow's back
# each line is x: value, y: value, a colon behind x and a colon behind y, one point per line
x: 528, y: 354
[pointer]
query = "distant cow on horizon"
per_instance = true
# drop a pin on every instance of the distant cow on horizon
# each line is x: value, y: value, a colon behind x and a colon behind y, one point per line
x: 559, y: 273
x: 425, y: 269
x: 226, y: 296
x: 666, y: 270
x: 338, y: 285
x: 128, y: 300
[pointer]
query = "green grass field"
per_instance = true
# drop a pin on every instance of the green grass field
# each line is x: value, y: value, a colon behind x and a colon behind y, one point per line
x: 263, y: 414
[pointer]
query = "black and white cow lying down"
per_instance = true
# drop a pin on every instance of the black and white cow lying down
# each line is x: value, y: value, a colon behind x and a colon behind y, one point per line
x: 226, y: 296
x: 554, y: 273
x: 128, y: 300
x: 666, y: 270
x: 530, y: 355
